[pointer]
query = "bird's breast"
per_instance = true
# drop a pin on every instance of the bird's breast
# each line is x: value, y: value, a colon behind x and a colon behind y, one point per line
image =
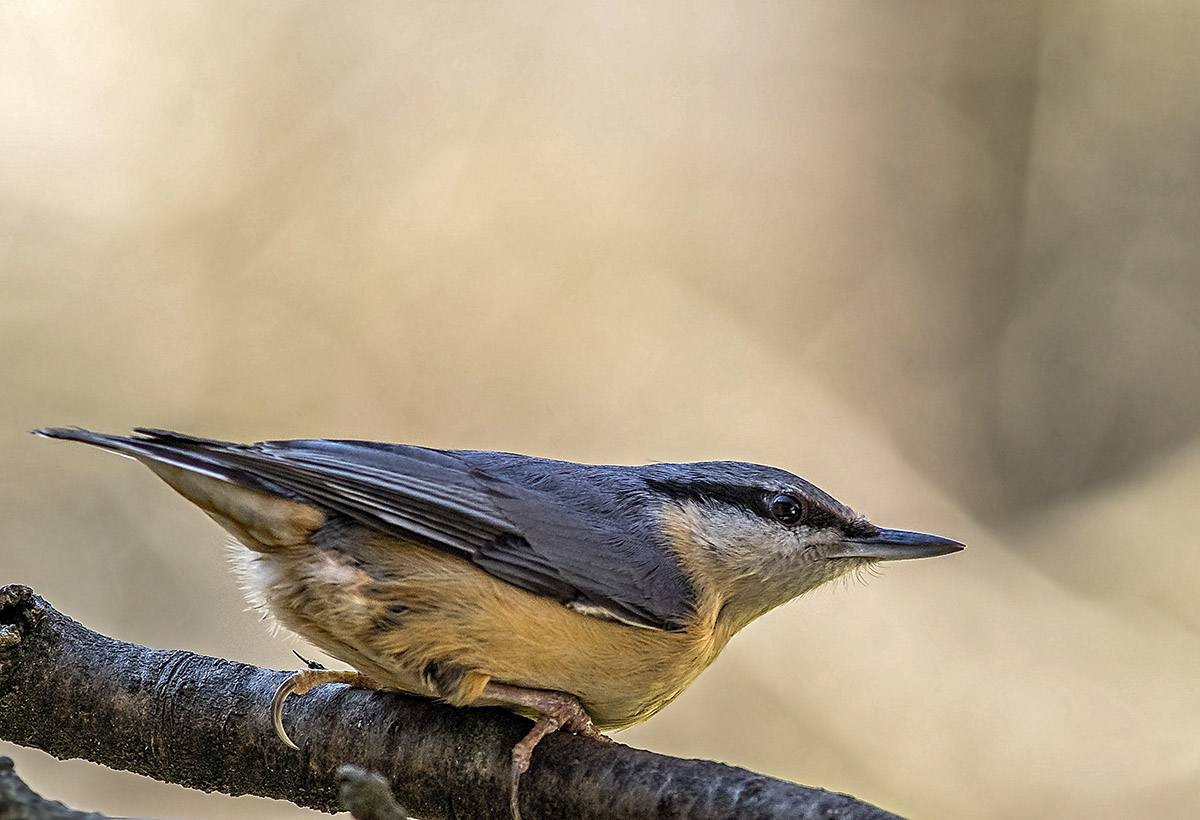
x: 419, y: 620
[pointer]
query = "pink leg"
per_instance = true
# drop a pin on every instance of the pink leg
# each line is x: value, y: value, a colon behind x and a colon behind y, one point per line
x: 557, y: 710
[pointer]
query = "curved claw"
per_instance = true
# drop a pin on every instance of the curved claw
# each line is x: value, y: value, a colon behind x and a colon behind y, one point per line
x: 514, y: 786
x: 301, y: 682
x: 281, y: 694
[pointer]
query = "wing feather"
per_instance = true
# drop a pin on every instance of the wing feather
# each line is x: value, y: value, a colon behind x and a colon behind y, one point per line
x: 531, y: 522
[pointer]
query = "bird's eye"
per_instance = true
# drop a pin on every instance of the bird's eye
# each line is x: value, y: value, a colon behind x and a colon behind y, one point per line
x: 787, y: 509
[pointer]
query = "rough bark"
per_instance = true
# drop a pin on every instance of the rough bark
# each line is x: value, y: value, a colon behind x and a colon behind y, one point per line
x: 205, y: 723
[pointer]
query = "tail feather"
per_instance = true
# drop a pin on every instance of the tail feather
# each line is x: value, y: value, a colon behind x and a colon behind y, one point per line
x: 256, y: 511
x: 166, y: 447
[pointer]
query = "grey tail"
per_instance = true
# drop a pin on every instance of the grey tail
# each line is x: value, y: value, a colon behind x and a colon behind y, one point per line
x: 167, y: 447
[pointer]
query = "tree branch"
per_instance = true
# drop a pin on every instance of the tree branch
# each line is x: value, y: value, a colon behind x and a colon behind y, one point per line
x: 19, y: 802
x: 205, y: 723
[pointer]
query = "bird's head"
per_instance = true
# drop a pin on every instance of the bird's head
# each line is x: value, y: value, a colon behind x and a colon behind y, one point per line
x: 751, y: 537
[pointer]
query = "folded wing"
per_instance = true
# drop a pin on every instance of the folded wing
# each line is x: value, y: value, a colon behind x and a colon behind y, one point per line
x: 465, y: 503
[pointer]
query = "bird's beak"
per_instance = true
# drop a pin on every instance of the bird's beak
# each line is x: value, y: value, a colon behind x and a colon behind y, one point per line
x: 894, y: 545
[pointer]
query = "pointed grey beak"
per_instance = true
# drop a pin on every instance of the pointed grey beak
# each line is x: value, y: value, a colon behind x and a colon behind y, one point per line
x: 894, y: 545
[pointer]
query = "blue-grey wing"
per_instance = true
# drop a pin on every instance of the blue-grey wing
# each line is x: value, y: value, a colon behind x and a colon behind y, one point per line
x: 577, y: 534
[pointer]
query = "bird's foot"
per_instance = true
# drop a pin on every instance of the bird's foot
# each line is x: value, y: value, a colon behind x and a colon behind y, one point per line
x: 556, y: 710
x: 301, y: 682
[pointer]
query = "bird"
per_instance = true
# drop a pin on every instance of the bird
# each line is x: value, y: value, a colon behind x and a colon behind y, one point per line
x: 585, y: 597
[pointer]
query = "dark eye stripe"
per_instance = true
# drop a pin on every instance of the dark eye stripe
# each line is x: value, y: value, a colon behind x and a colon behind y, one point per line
x: 707, y: 492
x: 750, y: 499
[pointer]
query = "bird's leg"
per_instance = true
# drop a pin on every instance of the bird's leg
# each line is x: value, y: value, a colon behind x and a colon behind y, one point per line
x: 301, y: 682
x: 556, y: 710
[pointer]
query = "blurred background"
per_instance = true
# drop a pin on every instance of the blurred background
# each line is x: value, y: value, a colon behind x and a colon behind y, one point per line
x: 939, y: 258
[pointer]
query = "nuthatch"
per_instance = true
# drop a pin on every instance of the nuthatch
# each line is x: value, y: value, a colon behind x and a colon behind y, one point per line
x: 584, y: 597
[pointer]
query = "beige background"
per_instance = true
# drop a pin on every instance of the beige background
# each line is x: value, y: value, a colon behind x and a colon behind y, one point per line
x: 939, y: 258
